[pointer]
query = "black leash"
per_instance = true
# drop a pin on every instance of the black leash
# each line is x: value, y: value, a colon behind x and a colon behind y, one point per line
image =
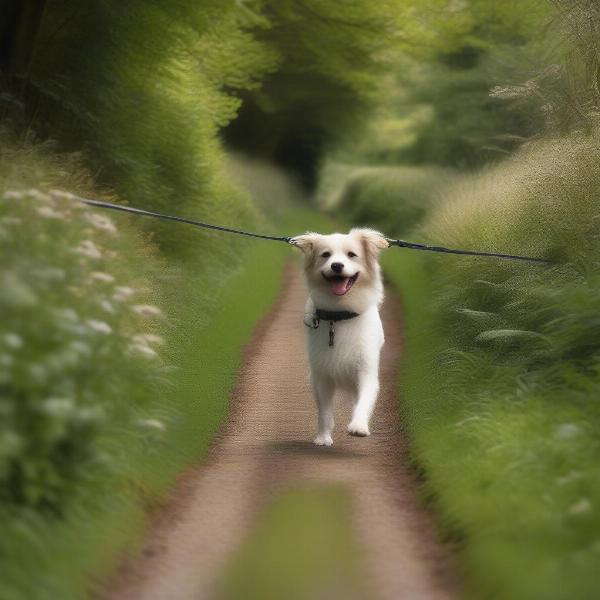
x: 413, y: 246
x: 288, y: 239
x: 148, y: 213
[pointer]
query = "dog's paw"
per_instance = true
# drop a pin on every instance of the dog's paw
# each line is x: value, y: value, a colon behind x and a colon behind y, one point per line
x: 323, y: 439
x: 358, y: 429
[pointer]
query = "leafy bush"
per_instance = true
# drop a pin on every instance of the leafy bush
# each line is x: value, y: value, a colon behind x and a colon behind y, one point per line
x: 76, y: 338
x: 391, y: 199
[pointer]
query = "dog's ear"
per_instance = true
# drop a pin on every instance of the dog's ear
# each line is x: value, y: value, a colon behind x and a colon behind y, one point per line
x: 373, y: 240
x: 306, y: 242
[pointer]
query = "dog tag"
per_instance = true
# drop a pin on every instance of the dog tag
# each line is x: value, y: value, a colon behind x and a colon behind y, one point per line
x: 331, y: 333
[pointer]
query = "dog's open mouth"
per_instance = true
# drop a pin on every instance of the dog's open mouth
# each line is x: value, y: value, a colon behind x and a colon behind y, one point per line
x: 339, y: 284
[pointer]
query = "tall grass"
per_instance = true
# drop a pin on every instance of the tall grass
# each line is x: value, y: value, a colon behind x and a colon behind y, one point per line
x: 501, y: 374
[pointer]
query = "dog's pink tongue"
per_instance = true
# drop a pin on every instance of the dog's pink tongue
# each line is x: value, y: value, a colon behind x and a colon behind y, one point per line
x: 339, y: 286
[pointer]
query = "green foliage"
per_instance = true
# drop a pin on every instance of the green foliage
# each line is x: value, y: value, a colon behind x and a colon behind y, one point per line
x: 330, y: 65
x: 144, y: 88
x: 75, y: 340
x: 471, y: 82
x: 502, y: 373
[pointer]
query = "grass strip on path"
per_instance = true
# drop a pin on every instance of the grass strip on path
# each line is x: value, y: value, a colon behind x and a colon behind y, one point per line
x: 302, y: 548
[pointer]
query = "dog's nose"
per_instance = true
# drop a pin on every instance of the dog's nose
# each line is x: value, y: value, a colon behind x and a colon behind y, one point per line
x: 337, y: 267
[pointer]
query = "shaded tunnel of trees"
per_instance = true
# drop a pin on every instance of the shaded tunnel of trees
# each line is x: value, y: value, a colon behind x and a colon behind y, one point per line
x: 314, y: 78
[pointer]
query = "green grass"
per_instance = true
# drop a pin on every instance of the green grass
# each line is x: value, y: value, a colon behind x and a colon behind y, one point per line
x: 301, y: 548
x: 500, y: 379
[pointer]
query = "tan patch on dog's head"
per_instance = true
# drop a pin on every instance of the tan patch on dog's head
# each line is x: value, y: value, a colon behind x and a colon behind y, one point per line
x: 372, y: 241
x: 307, y: 243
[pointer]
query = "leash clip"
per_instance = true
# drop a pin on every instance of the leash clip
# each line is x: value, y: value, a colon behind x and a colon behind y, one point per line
x: 312, y: 321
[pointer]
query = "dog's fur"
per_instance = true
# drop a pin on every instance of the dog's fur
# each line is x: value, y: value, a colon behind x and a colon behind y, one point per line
x: 352, y: 364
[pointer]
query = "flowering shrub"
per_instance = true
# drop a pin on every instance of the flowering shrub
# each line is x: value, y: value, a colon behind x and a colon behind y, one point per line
x: 78, y: 341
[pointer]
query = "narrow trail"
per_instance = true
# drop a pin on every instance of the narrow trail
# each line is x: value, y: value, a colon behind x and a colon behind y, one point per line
x: 265, y: 447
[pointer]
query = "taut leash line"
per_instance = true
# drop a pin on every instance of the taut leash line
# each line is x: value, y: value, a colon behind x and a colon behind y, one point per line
x: 148, y: 213
x: 288, y: 239
x: 413, y: 246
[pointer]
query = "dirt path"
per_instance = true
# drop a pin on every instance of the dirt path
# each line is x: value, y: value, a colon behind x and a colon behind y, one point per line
x: 264, y: 447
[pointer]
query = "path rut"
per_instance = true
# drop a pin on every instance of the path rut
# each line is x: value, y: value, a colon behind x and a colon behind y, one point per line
x: 265, y: 447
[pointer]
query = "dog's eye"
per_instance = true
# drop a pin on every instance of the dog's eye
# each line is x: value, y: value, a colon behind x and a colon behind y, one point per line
x: 326, y: 255
x: 351, y: 255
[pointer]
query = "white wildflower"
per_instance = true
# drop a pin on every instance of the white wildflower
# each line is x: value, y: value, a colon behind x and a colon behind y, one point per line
x: 457, y: 5
x: 148, y: 338
x: 102, y: 277
x: 50, y: 273
x: 40, y: 196
x: 580, y: 507
x: 62, y: 195
x: 122, y: 292
x: 13, y: 195
x: 89, y: 249
x: 80, y: 348
x: 107, y: 306
x: 89, y: 414
x: 6, y: 360
x: 101, y: 222
x: 49, y: 213
x: 57, y: 407
x: 99, y: 326
x: 15, y: 291
x: 147, y: 310
x: 152, y: 424
x: 570, y: 477
x: 568, y: 431
x: 37, y: 372
x: 10, y: 443
x: 13, y: 340
x: 142, y: 350
x: 67, y: 314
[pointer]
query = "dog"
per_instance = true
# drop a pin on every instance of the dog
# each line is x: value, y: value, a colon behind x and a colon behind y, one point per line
x: 345, y: 334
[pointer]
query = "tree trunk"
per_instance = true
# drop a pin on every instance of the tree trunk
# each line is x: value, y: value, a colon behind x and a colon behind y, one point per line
x: 19, y: 26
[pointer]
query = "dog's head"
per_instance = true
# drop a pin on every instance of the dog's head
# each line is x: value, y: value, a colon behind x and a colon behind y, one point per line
x: 342, y: 270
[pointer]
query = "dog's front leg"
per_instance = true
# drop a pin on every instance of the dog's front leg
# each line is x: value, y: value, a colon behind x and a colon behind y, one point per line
x: 323, y: 390
x: 368, y: 388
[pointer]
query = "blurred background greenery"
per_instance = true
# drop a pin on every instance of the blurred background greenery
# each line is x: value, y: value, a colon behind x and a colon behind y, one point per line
x: 465, y: 123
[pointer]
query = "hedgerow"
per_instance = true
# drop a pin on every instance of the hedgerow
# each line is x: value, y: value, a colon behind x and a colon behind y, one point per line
x: 77, y: 335
x: 501, y: 376
x: 391, y: 199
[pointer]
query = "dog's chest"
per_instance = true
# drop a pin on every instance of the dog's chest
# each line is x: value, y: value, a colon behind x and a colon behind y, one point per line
x: 343, y: 348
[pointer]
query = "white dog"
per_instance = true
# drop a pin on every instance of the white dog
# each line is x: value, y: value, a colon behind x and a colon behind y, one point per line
x: 345, y: 334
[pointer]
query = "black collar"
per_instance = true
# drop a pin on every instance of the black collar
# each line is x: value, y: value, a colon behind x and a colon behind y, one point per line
x: 334, y: 315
